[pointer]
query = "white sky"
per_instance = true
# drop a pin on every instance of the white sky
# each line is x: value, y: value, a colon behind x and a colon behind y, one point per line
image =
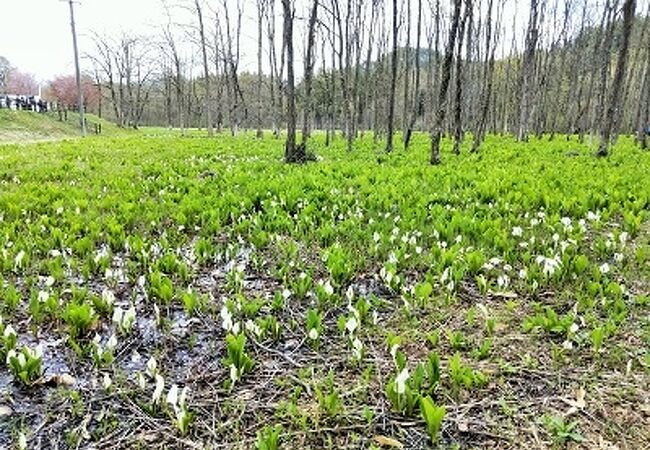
x: 35, y: 34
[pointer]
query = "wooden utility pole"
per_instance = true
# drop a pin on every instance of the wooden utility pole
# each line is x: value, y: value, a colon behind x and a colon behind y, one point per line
x: 80, y: 95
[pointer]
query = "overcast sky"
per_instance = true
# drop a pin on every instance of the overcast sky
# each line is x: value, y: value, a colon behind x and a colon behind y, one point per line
x: 35, y: 34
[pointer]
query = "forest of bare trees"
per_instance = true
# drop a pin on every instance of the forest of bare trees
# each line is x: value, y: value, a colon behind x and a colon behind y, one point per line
x: 442, y: 67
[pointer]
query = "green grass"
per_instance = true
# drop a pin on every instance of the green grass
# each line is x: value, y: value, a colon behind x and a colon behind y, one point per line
x: 477, y: 284
x: 27, y: 126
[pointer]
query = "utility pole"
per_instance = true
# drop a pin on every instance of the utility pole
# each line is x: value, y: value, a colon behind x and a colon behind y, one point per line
x: 80, y: 95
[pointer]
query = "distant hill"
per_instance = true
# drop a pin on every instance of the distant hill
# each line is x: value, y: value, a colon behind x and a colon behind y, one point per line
x: 27, y: 126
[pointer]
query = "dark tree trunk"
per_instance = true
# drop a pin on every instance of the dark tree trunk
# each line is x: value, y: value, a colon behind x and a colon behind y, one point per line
x: 612, y: 108
x: 309, y: 70
x: 393, y: 80
x: 488, y: 80
x: 292, y: 152
x: 206, y: 70
x: 527, y: 73
x: 436, y: 133
x: 260, y: 18
x: 407, y: 71
x: 415, y: 109
x: 643, y: 111
x: 458, y: 100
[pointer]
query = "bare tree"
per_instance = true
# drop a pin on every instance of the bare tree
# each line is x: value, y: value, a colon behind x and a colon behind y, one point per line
x: 365, y: 97
x: 261, y: 6
x: 527, y: 73
x: 557, y: 76
x: 292, y: 153
x: 277, y: 69
x: 206, y: 70
x: 415, y: 109
x: 5, y: 68
x: 458, y: 91
x: 613, y: 105
x: 487, y: 82
x: 126, y: 70
x: 643, y: 108
x: 177, y: 64
x: 436, y: 133
x: 231, y: 43
x: 407, y: 72
x: 393, y: 81
x: 309, y: 70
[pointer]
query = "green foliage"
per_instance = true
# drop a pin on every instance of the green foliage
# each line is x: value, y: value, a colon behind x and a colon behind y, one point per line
x: 301, y: 285
x: 329, y: 400
x: 433, y: 416
x: 483, y: 350
x: 339, y: 264
x: 268, y: 438
x: 400, y: 394
x: 237, y: 360
x: 462, y: 376
x: 597, y: 337
x: 314, y: 326
x: 80, y: 318
x: 270, y: 327
x: 561, y: 430
x: 549, y: 321
x: 204, y: 250
x: 405, y: 389
x: 9, y: 298
x: 161, y: 287
x: 8, y: 338
x: 423, y: 291
x: 475, y: 261
x: 193, y: 302
x: 26, y: 364
x: 456, y: 339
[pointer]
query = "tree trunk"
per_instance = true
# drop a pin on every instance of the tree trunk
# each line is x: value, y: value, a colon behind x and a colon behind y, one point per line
x: 309, y: 70
x: 292, y: 153
x: 260, y: 19
x: 415, y: 109
x: 206, y: 71
x: 407, y: 71
x: 436, y: 133
x: 488, y: 79
x: 612, y: 108
x: 393, y: 80
x: 458, y: 101
x: 643, y: 110
x: 528, y: 72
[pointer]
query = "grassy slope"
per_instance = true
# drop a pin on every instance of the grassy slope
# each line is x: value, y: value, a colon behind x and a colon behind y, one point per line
x: 25, y: 126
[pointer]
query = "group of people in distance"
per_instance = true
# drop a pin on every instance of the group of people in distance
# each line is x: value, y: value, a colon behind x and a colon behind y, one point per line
x: 23, y: 103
